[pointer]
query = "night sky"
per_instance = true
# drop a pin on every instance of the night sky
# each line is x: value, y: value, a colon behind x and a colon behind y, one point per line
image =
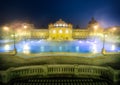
x: 77, y: 12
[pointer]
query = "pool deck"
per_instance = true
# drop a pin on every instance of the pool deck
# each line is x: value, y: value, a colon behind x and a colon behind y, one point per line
x: 7, y: 61
x: 63, y: 54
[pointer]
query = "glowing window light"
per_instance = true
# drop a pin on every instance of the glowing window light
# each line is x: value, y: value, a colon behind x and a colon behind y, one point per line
x: 60, y: 25
x: 113, y: 47
x: 63, y: 25
x: 60, y: 31
x: 67, y: 31
x: 7, y: 47
x: 66, y: 25
x: 26, y: 49
x: 54, y: 31
x: 56, y: 25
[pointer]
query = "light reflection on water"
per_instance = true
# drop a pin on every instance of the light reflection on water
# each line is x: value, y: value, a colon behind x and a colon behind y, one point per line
x: 79, y: 46
x: 26, y: 48
x: 7, y: 47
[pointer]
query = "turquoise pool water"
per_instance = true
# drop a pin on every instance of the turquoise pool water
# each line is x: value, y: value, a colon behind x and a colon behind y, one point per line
x: 77, y: 46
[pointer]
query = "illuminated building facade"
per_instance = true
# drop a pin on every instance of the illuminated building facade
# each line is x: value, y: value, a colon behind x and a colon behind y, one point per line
x: 59, y: 30
x: 80, y: 33
x: 39, y: 33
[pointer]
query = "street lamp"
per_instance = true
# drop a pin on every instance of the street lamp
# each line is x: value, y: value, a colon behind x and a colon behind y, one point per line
x: 103, y: 49
x: 15, y: 50
x: 7, y: 29
x: 25, y: 27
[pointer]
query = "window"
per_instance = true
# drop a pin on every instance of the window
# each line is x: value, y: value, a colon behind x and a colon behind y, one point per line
x: 60, y: 31
x: 54, y: 31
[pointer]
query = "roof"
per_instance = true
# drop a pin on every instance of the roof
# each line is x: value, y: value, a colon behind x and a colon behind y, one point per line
x: 60, y: 22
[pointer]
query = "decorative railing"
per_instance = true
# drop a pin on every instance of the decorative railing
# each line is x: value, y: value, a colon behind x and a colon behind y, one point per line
x: 84, y: 71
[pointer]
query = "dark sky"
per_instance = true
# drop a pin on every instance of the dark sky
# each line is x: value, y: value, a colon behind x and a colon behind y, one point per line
x: 77, y: 12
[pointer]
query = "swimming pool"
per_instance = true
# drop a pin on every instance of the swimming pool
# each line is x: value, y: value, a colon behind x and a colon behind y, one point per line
x: 75, y: 46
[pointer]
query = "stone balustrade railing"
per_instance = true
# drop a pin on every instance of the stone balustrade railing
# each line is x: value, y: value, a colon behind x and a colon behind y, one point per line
x: 84, y: 71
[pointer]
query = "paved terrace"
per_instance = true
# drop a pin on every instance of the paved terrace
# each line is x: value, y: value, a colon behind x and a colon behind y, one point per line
x: 7, y: 61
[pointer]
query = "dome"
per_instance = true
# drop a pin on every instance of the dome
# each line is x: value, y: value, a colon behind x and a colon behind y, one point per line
x: 60, y: 23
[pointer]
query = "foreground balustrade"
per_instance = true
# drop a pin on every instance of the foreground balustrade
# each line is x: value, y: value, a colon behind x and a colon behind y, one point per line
x: 43, y: 71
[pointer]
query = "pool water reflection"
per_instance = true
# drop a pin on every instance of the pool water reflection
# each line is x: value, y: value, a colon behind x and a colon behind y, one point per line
x: 77, y: 46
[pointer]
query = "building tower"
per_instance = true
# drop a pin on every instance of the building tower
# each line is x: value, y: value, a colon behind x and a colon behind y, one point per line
x: 94, y: 27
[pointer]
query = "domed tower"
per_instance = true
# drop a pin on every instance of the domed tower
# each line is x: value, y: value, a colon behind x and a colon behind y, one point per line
x: 94, y: 27
x: 60, y: 30
x: 92, y: 23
